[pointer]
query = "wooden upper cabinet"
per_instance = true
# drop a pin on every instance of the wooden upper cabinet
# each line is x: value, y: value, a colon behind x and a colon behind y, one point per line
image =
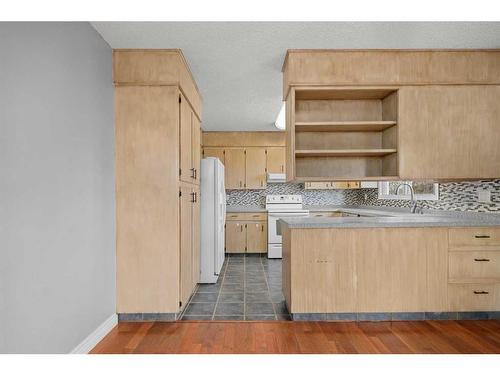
x: 255, y: 167
x: 449, y: 132
x: 389, y: 67
x: 275, y: 160
x: 214, y: 152
x: 156, y: 67
x: 196, y: 147
x: 235, y: 168
x: 185, y: 150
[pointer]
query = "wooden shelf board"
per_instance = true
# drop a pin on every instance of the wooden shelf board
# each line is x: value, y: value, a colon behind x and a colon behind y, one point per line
x: 343, y: 153
x: 346, y: 178
x: 489, y: 280
x: 341, y: 93
x: 343, y: 126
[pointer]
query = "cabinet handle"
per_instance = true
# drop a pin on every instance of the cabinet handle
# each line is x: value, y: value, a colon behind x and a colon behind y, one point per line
x: 481, y: 260
x: 193, y: 199
x: 196, y: 196
x: 282, y: 168
x: 241, y: 229
x: 193, y: 172
x: 481, y: 292
x: 481, y: 236
x: 262, y: 228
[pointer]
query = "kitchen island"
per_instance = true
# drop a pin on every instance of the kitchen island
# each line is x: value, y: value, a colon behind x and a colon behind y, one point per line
x: 399, y: 267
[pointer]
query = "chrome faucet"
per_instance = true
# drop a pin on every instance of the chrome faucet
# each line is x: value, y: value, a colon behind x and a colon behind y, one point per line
x: 413, y: 208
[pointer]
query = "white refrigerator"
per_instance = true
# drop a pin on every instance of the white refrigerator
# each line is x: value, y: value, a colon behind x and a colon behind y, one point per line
x: 213, y: 219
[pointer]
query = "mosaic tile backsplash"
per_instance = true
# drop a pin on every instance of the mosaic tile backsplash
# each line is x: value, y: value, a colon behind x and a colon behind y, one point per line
x: 453, y: 196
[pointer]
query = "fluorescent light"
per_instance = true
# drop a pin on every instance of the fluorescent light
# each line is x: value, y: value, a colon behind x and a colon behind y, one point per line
x: 281, y: 120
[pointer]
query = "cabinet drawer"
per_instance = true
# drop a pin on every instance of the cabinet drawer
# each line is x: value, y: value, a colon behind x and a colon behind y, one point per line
x: 474, y: 264
x: 239, y: 216
x: 474, y: 297
x: 474, y: 238
x: 325, y: 214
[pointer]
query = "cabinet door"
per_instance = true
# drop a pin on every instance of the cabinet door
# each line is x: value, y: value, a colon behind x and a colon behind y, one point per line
x: 276, y: 160
x: 449, y: 132
x: 235, y: 168
x: 318, y: 185
x: 186, y: 247
x: 196, y: 236
x: 185, y: 149
x: 196, y: 147
x: 256, y: 237
x: 255, y: 167
x: 236, y: 236
x: 214, y: 152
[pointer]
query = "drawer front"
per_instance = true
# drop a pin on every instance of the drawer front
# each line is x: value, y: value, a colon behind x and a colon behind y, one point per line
x: 244, y: 216
x: 474, y: 238
x: 474, y: 264
x: 325, y: 214
x: 473, y: 297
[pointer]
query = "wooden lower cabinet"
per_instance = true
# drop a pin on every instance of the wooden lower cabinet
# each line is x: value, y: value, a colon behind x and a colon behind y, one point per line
x: 246, y: 232
x: 365, y: 270
x: 236, y: 237
x: 256, y: 237
x: 474, y: 297
x: 189, y: 241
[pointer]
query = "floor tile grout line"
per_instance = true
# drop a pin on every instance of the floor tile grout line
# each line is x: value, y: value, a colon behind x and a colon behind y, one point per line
x: 220, y: 289
x: 268, y: 290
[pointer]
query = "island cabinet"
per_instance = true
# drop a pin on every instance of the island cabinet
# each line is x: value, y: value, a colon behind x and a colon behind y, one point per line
x: 365, y: 270
x: 158, y: 145
x: 391, y: 270
x: 388, y: 115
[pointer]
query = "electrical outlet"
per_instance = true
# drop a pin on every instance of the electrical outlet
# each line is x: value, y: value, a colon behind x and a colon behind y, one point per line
x: 484, y: 196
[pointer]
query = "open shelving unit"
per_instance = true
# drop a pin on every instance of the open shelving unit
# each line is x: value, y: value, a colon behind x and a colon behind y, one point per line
x: 344, y: 133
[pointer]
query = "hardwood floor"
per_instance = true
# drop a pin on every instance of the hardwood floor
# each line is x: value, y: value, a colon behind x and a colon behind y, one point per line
x: 304, y: 337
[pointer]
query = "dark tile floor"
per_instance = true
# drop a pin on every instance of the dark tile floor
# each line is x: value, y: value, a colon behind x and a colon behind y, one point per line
x: 249, y: 288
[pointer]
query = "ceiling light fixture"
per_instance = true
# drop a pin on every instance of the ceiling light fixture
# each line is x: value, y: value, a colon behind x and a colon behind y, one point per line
x: 281, y: 120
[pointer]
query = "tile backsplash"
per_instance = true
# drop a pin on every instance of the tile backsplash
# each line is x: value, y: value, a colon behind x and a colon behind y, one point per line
x: 311, y: 197
x: 453, y: 196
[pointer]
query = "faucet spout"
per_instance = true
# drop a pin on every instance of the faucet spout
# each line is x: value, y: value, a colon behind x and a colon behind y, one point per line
x: 413, y: 207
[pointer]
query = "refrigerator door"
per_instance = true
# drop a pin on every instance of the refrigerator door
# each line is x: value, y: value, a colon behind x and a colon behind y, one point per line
x: 220, y: 218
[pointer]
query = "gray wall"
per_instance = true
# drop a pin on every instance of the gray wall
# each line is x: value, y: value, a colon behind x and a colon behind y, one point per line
x: 57, y: 217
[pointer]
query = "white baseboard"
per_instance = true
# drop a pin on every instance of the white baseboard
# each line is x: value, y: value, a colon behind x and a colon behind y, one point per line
x: 93, y: 339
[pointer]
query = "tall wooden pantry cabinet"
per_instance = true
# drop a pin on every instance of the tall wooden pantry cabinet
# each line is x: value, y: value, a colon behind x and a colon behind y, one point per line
x: 158, y: 147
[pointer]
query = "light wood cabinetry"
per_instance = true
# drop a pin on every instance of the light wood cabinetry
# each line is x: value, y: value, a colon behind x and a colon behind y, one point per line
x: 275, y: 160
x: 157, y: 111
x: 236, y: 237
x: 263, y: 152
x: 196, y: 147
x: 246, y: 232
x: 255, y: 168
x: 215, y: 152
x: 234, y: 170
x: 256, y: 237
x: 474, y: 269
x: 449, y: 132
x: 365, y: 270
x: 387, y: 115
x: 328, y: 185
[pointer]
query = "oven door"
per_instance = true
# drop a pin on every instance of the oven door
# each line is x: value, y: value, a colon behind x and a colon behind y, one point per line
x: 272, y: 229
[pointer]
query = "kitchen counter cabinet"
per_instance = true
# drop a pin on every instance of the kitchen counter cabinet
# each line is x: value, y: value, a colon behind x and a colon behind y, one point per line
x: 389, y: 270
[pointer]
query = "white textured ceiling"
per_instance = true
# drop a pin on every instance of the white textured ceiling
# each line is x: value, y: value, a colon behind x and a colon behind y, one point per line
x: 237, y: 65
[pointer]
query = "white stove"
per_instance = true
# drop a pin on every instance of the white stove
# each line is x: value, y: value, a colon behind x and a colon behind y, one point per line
x: 280, y: 206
